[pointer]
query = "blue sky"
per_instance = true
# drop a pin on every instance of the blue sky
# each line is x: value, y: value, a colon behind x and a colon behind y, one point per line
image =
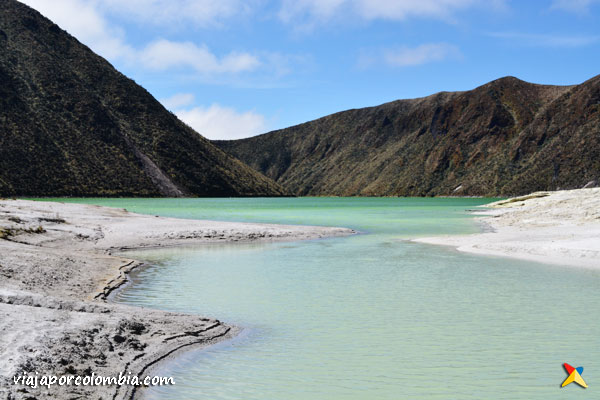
x: 233, y: 68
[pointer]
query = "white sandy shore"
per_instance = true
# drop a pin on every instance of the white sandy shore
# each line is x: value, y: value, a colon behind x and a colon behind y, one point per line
x: 56, y: 272
x: 560, y: 227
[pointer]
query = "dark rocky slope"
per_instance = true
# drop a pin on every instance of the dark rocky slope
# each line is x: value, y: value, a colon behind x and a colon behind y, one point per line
x: 507, y: 137
x: 71, y: 125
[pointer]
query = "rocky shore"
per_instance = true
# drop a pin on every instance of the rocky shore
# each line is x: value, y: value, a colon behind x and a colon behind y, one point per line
x: 56, y: 272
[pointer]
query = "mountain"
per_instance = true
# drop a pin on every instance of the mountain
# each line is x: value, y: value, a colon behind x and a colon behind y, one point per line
x: 507, y: 137
x: 72, y: 125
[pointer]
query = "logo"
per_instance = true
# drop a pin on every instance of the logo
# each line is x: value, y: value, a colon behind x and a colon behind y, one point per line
x: 574, y: 376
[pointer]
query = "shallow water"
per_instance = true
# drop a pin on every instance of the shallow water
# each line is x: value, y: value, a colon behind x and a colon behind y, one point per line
x: 370, y: 316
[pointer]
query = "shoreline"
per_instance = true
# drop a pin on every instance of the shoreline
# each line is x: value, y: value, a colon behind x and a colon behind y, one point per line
x: 559, y: 228
x: 58, y: 272
x: 168, y: 353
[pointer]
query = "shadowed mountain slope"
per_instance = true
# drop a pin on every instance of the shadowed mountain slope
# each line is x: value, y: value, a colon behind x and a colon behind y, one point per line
x: 72, y: 125
x: 507, y: 137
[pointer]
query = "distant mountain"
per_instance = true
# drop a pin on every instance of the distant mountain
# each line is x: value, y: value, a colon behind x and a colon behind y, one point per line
x: 72, y: 125
x: 507, y: 137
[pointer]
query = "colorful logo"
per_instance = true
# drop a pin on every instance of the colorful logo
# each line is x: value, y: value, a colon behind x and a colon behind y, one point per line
x: 574, y: 376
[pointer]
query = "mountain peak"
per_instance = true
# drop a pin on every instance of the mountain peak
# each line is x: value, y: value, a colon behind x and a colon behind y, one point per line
x: 502, y: 138
x: 72, y: 125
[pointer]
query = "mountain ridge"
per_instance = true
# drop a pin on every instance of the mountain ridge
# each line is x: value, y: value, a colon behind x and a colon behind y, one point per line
x: 503, y: 138
x: 72, y: 125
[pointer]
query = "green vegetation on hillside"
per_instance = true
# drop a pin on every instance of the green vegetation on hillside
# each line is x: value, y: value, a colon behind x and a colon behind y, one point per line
x: 72, y: 125
x: 507, y: 137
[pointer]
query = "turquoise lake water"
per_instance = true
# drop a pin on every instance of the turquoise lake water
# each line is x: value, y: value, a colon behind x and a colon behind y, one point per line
x: 371, y: 316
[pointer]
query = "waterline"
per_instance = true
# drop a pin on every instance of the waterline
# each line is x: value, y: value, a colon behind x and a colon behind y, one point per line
x: 368, y: 316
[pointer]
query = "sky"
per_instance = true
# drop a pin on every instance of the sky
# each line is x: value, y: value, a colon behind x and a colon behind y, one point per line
x: 234, y: 68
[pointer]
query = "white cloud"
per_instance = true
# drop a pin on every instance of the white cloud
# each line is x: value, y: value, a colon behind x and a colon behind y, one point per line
x: 87, y: 15
x: 201, y: 13
x: 86, y: 20
x: 223, y: 123
x: 165, y: 54
x: 322, y: 10
x: 82, y: 20
x: 422, y: 54
x: 382, y: 9
x: 546, y: 40
x: 177, y: 101
x: 576, y: 6
x: 215, y: 122
x: 411, y: 56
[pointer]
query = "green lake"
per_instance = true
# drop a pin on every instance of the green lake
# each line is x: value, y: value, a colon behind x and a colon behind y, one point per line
x: 370, y: 316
